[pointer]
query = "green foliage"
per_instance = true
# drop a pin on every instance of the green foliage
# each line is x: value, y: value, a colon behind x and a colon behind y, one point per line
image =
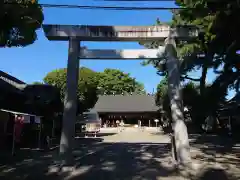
x: 87, y: 86
x: 162, y: 89
x: 91, y: 84
x: 215, y: 48
x: 220, y: 22
x: 37, y: 83
x: 190, y: 94
x: 209, y: 43
x: 188, y: 56
x: 199, y: 106
x: 20, y: 19
x: 43, y: 99
x: 114, y: 81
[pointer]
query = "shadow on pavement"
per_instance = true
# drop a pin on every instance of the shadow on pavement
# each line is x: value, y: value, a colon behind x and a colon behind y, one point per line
x: 127, y: 161
x: 214, y: 173
x: 107, y: 161
x: 215, y: 148
x: 117, y: 161
x: 29, y: 155
x: 100, y: 134
x: 105, y: 134
x: 219, y: 143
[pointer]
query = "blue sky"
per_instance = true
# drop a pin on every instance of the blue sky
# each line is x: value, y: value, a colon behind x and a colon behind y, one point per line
x: 33, y: 62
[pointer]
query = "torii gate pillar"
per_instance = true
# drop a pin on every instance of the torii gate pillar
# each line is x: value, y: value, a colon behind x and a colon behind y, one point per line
x: 70, y: 100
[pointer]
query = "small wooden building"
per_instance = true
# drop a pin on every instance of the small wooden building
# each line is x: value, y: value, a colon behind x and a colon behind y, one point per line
x: 130, y: 108
x: 17, y: 97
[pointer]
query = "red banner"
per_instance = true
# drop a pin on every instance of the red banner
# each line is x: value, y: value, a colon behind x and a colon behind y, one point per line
x: 18, y: 126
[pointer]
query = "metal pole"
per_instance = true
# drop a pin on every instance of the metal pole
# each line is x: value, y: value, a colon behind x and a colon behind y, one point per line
x: 39, y: 134
x: 70, y: 102
x: 229, y: 125
x: 13, y: 139
x: 53, y: 128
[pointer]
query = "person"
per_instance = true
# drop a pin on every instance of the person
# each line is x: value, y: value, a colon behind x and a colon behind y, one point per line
x: 47, y: 141
x: 121, y: 125
x: 140, y: 125
x: 117, y: 123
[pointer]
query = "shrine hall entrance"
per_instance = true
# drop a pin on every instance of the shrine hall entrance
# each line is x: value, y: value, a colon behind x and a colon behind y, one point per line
x: 129, y: 119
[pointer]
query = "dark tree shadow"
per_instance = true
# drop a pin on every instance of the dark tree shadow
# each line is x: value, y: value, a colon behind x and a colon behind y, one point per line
x: 97, y: 135
x: 214, y: 173
x: 117, y: 161
x: 216, y: 149
x: 215, y: 143
x: 128, y: 161
x: 148, y: 161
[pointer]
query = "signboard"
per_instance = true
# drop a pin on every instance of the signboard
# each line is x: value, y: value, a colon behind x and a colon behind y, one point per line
x: 121, y: 54
x: 37, y: 120
x: 116, y: 33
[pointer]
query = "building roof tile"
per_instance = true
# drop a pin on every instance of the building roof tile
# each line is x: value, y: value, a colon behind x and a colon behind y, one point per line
x: 126, y: 103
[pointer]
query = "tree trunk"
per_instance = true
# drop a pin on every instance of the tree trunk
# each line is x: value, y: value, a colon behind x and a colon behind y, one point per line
x: 201, y: 112
x: 203, y: 79
x: 180, y: 134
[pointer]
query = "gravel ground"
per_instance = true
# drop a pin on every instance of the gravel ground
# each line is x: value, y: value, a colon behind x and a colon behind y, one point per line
x: 130, y: 154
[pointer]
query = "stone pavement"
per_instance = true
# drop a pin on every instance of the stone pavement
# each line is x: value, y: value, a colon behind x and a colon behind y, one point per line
x: 130, y: 154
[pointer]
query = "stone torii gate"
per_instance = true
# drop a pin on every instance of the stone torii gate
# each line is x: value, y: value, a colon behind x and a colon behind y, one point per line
x: 77, y: 33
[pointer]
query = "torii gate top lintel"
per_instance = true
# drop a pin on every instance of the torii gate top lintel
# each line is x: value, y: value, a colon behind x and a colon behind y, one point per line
x: 117, y: 33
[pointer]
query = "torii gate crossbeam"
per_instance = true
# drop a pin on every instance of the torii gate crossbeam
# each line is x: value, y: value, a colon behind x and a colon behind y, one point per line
x: 126, y: 54
x: 74, y: 34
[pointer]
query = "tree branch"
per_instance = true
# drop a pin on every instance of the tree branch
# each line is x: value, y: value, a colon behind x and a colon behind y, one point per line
x: 192, y: 79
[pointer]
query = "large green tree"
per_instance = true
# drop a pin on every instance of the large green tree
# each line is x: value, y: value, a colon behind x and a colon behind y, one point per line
x: 215, y: 48
x: 218, y: 45
x: 220, y: 38
x: 91, y: 84
x: 19, y: 21
x: 114, y: 81
x: 87, y: 86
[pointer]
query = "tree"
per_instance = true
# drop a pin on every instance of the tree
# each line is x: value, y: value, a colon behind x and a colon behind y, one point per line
x: 43, y: 100
x: 215, y: 48
x: 37, y: 83
x: 20, y: 20
x: 190, y: 96
x: 220, y: 41
x: 114, y: 81
x: 87, y: 86
x: 162, y: 89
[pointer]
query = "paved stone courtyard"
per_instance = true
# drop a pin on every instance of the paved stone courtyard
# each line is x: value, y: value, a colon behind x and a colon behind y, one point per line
x: 130, y: 154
